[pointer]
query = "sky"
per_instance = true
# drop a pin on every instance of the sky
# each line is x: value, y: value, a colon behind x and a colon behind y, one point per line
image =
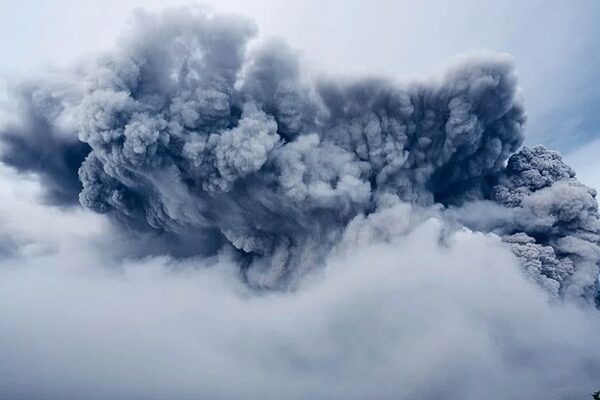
x: 437, y: 294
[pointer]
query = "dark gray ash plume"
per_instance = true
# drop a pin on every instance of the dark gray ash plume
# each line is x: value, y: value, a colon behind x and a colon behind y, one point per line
x: 42, y: 142
x: 556, y: 230
x: 186, y: 131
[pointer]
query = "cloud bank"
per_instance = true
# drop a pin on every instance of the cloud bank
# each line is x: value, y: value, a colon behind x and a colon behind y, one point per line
x: 266, y: 234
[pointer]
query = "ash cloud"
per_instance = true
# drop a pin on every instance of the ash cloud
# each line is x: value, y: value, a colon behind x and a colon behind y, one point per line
x: 389, y: 218
x: 42, y: 140
x: 189, y: 131
x: 549, y: 219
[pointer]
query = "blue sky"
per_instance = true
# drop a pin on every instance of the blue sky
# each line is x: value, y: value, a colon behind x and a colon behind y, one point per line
x: 555, y: 44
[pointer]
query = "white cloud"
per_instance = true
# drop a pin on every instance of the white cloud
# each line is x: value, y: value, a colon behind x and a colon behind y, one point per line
x: 401, y: 311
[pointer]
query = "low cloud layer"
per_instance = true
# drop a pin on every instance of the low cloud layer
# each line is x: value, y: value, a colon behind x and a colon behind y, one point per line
x: 403, y: 309
x: 250, y: 231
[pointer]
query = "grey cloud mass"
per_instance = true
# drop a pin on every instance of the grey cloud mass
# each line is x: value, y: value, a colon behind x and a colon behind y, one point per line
x: 190, y: 131
x: 405, y: 307
x: 382, y: 215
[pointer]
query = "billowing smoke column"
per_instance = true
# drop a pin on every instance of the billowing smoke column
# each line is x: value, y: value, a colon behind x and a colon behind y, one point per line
x: 184, y: 130
x: 556, y: 230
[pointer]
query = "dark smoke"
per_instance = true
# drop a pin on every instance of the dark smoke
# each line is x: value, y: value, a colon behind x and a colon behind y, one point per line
x: 557, y: 227
x: 194, y: 135
x: 41, y: 143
